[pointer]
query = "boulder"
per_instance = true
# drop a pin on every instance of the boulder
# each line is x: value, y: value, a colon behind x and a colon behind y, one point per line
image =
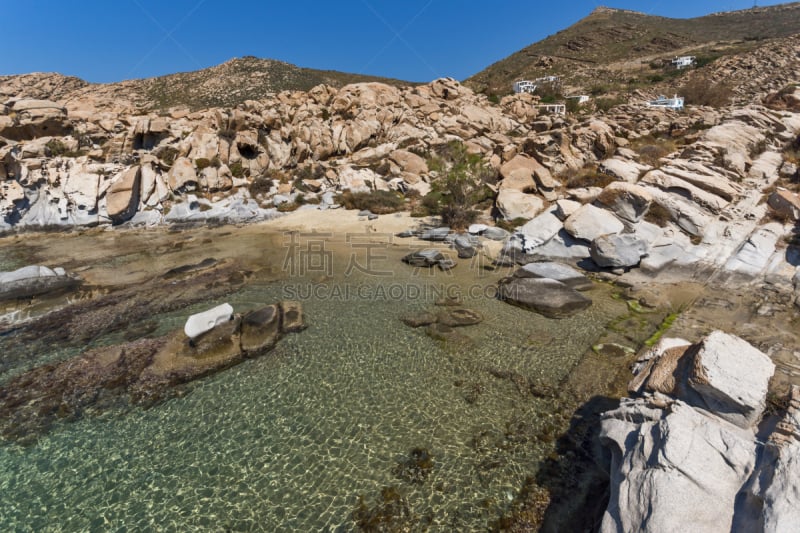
x: 35, y: 118
x: 622, y: 169
x: 628, y: 201
x: 618, y: 250
x: 466, y: 245
x: 775, y: 485
x: 730, y: 378
x: 494, y: 233
x: 514, y: 204
x: 424, y: 258
x: 785, y: 204
x: 518, y: 174
x: 567, y: 275
x: 292, y: 318
x: 182, y: 175
x: 458, y: 317
x: 534, y: 233
x: 261, y: 329
x: 548, y: 297
x: 200, y: 323
x: 435, y: 234
x: 685, y: 455
x: 589, y: 222
x: 416, y: 320
x: 122, y: 198
x: 409, y: 162
x: 673, y: 469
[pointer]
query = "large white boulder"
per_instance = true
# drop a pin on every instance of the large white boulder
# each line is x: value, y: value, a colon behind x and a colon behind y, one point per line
x: 200, y: 323
x: 589, y: 222
x: 673, y: 469
x: 514, y: 204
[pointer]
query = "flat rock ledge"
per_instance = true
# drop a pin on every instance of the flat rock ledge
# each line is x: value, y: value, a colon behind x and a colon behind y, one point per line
x: 693, y: 450
x: 143, y: 372
x: 35, y: 280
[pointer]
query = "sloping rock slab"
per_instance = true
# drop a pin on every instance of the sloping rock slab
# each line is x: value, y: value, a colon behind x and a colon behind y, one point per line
x: 34, y: 280
x: 548, y: 297
x: 558, y: 271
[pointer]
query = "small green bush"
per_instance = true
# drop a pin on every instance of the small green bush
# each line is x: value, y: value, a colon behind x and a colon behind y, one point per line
x: 237, y: 170
x: 55, y: 147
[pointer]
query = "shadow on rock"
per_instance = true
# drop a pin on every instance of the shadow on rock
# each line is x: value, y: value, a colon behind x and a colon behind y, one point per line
x: 571, y: 488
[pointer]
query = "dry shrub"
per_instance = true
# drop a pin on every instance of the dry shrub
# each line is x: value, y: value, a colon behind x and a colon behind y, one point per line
x: 587, y: 176
x: 378, y: 202
x: 702, y: 90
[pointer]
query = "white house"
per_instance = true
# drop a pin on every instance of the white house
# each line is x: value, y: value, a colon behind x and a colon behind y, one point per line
x: 676, y: 102
x: 524, y: 86
x: 581, y: 98
x: 683, y: 61
x: 555, y: 109
x: 546, y: 79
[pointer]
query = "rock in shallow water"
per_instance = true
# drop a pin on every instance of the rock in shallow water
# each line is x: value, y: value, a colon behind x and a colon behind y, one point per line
x: 549, y: 297
x: 34, y: 280
x: 557, y: 271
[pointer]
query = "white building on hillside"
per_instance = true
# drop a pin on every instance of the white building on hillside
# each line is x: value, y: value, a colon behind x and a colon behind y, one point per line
x: 676, y: 102
x: 683, y: 62
x: 581, y: 98
x: 524, y: 86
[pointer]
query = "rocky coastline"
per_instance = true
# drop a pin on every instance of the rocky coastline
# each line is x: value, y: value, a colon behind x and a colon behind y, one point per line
x: 637, y: 197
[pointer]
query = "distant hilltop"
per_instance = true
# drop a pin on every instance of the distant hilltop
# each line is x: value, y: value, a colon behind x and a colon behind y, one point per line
x: 605, y: 9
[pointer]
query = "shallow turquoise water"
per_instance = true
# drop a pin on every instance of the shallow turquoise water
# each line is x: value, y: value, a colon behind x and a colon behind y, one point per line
x: 288, y: 441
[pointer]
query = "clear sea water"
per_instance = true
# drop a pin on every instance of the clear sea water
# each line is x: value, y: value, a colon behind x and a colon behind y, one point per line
x: 290, y: 440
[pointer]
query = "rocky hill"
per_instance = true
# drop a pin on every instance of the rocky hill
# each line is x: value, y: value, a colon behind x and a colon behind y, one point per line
x: 611, y: 46
x: 225, y: 85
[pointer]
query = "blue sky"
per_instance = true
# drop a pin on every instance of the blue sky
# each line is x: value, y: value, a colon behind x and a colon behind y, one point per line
x: 416, y: 40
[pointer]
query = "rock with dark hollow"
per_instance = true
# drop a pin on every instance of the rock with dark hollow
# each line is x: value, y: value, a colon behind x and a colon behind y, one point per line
x: 548, y: 297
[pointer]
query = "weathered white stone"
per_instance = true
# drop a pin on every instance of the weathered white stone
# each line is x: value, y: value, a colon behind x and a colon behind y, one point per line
x: 514, y: 204
x: 731, y: 378
x: 535, y: 232
x: 200, y: 323
x: 628, y: 201
x: 754, y: 254
x: 618, y: 250
x: 623, y: 170
x: 673, y: 469
x: 589, y: 222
